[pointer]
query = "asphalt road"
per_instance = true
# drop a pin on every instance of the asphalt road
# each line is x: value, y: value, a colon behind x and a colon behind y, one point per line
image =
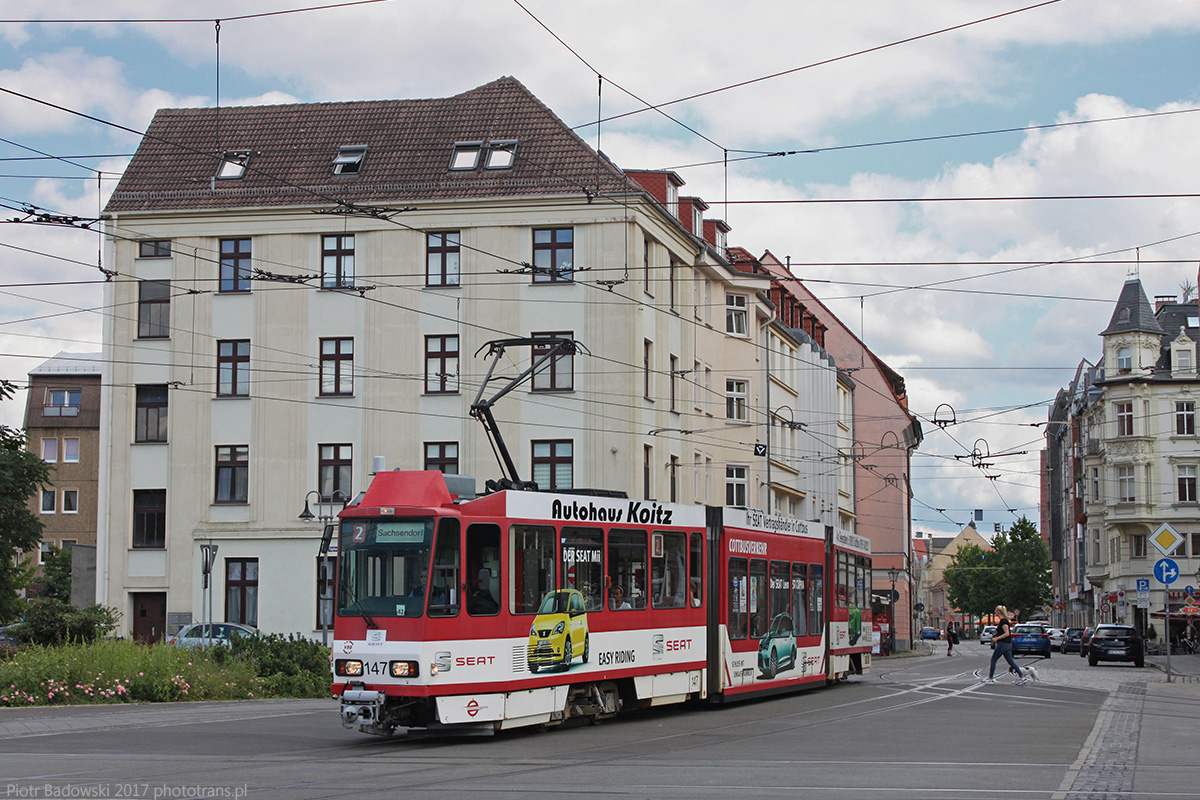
x: 915, y: 728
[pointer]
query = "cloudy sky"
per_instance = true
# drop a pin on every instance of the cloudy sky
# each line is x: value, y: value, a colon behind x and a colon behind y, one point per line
x: 995, y: 241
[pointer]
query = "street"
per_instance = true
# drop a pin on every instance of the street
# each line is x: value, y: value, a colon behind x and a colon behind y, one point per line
x: 917, y: 727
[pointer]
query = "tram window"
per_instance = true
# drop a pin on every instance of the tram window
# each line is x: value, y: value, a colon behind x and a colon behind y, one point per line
x: 841, y: 580
x: 860, y: 583
x: 800, y: 599
x: 532, y: 565
x: 738, y: 598
x: 816, y: 599
x: 758, y: 598
x: 780, y: 591
x: 583, y: 564
x: 866, y: 599
x: 483, y: 570
x: 668, y: 569
x: 696, y: 570
x: 383, y: 566
x: 627, y: 566
x: 444, y: 593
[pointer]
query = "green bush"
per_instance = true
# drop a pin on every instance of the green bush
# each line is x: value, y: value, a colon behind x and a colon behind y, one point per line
x: 50, y: 621
x: 289, y: 666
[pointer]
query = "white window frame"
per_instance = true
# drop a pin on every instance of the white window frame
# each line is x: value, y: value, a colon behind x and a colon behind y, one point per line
x: 65, y: 506
x: 737, y: 400
x: 737, y: 484
x: 1126, y: 485
x: 51, y: 496
x: 50, y: 450
x: 66, y: 450
x: 737, y: 314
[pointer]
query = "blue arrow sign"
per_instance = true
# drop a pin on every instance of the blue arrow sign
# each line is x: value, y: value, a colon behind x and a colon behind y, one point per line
x: 1189, y: 590
x: 1166, y: 571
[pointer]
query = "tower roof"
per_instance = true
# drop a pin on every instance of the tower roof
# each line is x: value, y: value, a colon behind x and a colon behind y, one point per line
x: 1133, y: 313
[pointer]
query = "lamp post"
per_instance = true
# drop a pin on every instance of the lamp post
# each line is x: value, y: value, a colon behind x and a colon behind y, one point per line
x: 325, y: 515
x: 893, y: 573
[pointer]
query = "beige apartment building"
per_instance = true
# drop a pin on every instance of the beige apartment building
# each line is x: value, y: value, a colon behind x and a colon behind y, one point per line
x: 315, y: 286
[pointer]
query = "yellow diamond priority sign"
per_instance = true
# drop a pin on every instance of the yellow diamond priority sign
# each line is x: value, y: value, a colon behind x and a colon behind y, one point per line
x: 1166, y: 539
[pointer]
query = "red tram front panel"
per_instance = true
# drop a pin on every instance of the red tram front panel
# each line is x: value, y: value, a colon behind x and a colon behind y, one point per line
x: 850, y: 606
x: 772, y: 573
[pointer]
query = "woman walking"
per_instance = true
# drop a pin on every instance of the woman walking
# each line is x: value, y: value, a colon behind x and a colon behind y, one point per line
x: 951, y: 638
x: 1002, y: 639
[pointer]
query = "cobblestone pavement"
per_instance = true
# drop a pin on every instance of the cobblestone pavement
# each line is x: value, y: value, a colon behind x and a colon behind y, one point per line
x: 1107, y: 763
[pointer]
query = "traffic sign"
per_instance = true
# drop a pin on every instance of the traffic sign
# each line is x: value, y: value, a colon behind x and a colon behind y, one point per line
x: 1189, y: 590
x: 1166, y: 571
x: 1143, y: 584
x: 1166, y: 539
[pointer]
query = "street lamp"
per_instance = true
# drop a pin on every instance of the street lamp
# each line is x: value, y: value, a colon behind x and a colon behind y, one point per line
x: 893, y: 573
x: 325, y: 515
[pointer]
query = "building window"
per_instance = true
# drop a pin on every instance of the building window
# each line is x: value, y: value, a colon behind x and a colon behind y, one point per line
x: 1095, y: 546
x: 1124, y: 361
x: 674, y: 364
x: 1125, y: 485
x: 441, y: 364
x: 62, y: 403
x: 442, y: 252
x: 553, y: 255
x: 154, y: 248
x: 70, y: 450
x: 466, y: 156
x: 233, y: 368
x: 235, y: 265
x: 442, y: 456
x: 694, y: 378
x: 553, y: 464
x: 1183, y: 360
x: 1185, y: 418
x: 559, y: 374
x: 1138, y: 544
x: 45, y: 548
x: 50, y: 451
x: 233, y: 473
x: 735, y: 314
x: 70, y: 501
x: 335, y: 471
x: 1096, y: 494
x: 150, y: 424
x: 241, y: 590
x: 1187, y: 483
x: 671, y: 288
x: 233, y: 165
x: 349, y: 160
x: 501, y: 154
x: 647, y: 369
x: 647, y: 472
x: 49, y: 500
x: 154, y: 309
x: 1124, y: 418
x: 735, y: 485
x: 337, y: 261
x: 337, y: 366
x: 149, y: 518
x: 736, y: 397
x: 673, y: 477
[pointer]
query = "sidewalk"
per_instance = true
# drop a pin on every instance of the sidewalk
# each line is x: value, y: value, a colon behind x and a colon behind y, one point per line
x: 1182, y: 666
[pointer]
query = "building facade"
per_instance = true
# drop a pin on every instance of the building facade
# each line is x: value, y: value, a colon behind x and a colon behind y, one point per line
x: 315, y: 286
x: 1122, y: 461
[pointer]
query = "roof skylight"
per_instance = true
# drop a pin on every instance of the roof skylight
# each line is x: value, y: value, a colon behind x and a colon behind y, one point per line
x: 501, y: 154
x: 466, y: 156
x: 349, y: 159
x: 233, y: 164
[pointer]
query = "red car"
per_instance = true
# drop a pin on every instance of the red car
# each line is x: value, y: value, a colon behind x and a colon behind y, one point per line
x: 1085, y: 640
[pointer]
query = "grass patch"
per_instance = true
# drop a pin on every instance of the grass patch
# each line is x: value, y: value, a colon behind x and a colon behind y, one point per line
x: 122, y: 671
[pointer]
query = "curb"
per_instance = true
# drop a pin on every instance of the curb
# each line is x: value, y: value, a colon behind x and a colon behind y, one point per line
x: 1174, y: 676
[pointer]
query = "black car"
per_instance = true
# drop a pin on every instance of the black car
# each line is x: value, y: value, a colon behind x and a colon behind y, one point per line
x: 1084, y: 639
x: 1071, y: 639
x: 1116, y: 643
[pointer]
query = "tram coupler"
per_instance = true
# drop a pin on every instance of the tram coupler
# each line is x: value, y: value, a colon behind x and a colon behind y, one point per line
x: 362, y: 707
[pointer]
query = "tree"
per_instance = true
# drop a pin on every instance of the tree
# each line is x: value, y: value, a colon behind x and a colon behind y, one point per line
x: 1015, y: 573
x: 56, y: 574
x: 21, y: 474
x: 1024, y: 578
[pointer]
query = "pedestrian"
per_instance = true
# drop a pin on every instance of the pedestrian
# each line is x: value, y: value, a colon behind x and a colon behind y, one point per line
x: 951, y: 638
x: 1002, y: 640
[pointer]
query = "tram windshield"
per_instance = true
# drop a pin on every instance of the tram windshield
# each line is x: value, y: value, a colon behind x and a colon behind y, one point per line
x: 382, y: 567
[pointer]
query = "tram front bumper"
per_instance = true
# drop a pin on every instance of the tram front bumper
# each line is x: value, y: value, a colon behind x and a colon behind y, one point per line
x: 361, y: 707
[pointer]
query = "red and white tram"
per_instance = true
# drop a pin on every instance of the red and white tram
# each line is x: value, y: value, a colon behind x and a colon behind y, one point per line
x: 528, y: 608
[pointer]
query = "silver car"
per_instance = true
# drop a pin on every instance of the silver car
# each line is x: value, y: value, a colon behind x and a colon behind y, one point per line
x: 204, y: 634
x: 986, y: 636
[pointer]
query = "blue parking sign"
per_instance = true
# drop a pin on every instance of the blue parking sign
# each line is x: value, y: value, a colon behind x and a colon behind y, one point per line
x: 1166, y: 571
x: 1143, y: 584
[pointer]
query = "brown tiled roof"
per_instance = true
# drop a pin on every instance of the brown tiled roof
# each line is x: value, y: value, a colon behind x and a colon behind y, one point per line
x: 409, y: 147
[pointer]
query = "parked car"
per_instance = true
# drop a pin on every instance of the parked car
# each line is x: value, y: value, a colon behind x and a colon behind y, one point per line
x: 1070, y: 642
x: 929, y: 633
x: 1116, y: 643
x: 1084, y: 638
x: 1056, y: 638
x: 204, y: 634
x: 1031, y: 639
x: 986, y: 636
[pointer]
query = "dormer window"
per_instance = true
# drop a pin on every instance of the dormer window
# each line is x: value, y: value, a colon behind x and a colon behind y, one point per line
x: 466, y: 156
x: 233, y: 165
x: 501, y: 154
x: 349, y: 159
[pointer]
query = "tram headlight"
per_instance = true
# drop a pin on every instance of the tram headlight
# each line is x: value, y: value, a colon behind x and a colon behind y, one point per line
x: 351, y: 667
x: 559, y: 628
x: 403, y: 669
